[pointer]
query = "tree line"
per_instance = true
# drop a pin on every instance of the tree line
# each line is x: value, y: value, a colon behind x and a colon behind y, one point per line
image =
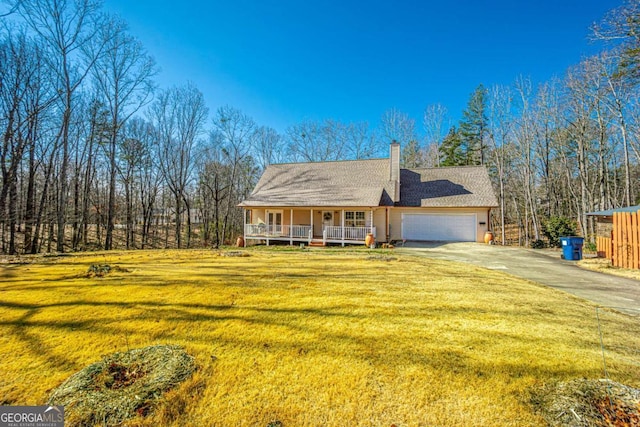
x: 95, y: 156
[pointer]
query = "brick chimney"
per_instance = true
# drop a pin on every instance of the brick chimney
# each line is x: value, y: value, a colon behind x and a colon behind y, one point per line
x: 394, y: 169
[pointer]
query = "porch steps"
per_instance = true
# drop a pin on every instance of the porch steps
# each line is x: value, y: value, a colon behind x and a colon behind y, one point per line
x: 316, y: 244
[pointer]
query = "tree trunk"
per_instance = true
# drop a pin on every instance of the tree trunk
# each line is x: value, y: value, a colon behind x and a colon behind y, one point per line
x: 29, y: 220
x: 13, y: 205
x: 108, y: 243
x: 88, y: 178
x: 178, y: 216
x: 77, y: 225
x: 62, y: 193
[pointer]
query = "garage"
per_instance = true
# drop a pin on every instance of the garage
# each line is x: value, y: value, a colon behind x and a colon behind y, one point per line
x: 439, y: 227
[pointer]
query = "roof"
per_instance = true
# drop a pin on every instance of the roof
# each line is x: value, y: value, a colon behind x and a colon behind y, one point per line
x: 341, y: 183
x: 609, y: 212
x: 365, y: 183
x: 460, y: 186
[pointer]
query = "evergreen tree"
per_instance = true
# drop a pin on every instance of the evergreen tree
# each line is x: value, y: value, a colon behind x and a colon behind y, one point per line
x: 451, y: 152
x: 474, y: 127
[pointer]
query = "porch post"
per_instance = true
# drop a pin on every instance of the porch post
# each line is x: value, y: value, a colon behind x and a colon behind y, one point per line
x: 372, y: 222
x: 311, y: 226
x: 342, y: 224
x: 291, y: 229
x: 244, y: 225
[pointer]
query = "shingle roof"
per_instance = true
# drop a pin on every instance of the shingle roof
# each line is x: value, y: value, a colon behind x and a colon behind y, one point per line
x: 466, y: 186
x: 366, y: 183
x: 343, y: 183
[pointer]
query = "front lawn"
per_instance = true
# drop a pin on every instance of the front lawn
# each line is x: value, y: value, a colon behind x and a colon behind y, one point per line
x: 309, y: 338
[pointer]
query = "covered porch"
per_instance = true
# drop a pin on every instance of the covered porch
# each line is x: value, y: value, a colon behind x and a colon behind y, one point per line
x: 311, y: 225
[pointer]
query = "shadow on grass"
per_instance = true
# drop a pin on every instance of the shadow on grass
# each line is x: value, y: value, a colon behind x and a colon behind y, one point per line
x: 420, y: 341
x: 374, y: 347
x: 185, y: 314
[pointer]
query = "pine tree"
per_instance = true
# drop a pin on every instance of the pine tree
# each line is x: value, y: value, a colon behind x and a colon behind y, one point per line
x: 474, y: 126
x: 451, y: 150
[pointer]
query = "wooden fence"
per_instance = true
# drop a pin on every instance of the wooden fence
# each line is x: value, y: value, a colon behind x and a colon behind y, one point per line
x: 625, y: 242
x: 605, y: 248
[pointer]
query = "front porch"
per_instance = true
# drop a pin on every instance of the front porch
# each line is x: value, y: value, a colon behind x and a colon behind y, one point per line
x: 309, y: 226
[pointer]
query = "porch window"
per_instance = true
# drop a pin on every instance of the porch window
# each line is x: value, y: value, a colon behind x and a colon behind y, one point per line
x: 354, y: 219
x: 274, y: 221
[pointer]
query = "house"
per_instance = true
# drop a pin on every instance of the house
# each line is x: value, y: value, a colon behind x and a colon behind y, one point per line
x: 342, y: 201
x: 164, y: 216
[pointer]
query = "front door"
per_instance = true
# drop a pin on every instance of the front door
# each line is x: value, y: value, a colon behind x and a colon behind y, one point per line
x: 274, y: 221
x: 327, y: 219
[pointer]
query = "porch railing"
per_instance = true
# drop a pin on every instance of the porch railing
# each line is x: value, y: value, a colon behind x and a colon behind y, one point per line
x: 304, y: 232
x: 298, y: 231
x: 350, y: 233
x: 263, y: 230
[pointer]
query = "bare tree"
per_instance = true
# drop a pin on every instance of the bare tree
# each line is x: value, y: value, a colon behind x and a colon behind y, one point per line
x: 361, y: 142
x: 621, y: 26
x: 97, y: 121
x: 25, y: 94
x: 269, y: 147
x: 501, y: 146
x: 235, y: 137
x: 134, y: 167
x: 525, y: 139
x: 436, y: 124
x: 64, y: 28
x: 546, y: 124
x: 15, y: 83
x: 214, y: 182
x: 179, y: 115
x: 581, y: 104
x: 122, y: 74
x: 398, y: 126
x: 312, y: 141
x: 12, y: 8
x: 615, y: 92
x: 146, y: 176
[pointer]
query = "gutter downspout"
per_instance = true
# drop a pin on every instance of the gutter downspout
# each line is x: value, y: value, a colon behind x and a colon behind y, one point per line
x: 388, y: 224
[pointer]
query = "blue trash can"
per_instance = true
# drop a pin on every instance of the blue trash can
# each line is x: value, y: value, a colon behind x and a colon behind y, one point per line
x: 572, y: 248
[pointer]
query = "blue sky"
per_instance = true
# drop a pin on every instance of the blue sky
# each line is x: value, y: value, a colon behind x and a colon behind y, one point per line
x: 282, y: 62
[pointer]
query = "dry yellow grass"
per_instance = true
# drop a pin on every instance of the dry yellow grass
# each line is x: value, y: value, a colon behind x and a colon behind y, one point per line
x: 309, y: 338
x: 603, y: 265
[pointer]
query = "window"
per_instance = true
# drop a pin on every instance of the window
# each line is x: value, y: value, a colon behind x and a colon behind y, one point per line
x: 274, y: 220
x: 354, y: 219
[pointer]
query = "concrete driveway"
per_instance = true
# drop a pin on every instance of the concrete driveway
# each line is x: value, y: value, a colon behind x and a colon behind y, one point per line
x: 544, y: 267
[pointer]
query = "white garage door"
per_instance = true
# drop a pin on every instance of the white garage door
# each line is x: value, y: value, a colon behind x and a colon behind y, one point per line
x: 439, y: 227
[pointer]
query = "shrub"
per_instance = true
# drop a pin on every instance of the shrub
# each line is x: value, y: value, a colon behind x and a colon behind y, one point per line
x: 538, y: 244
x: 558, y: 226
